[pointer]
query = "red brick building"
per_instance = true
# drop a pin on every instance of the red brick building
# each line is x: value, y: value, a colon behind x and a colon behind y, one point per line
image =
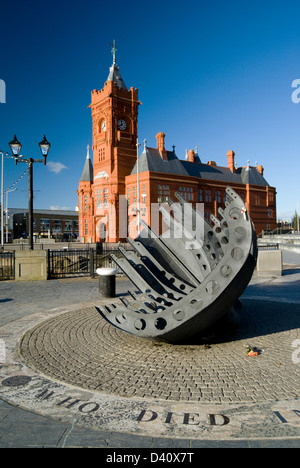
x: 109, y: 186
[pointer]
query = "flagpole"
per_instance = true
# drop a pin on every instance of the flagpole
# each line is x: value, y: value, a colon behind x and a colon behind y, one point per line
x: 138, y: 185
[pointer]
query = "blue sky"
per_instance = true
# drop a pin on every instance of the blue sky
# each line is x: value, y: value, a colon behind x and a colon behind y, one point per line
x: 217, y: 75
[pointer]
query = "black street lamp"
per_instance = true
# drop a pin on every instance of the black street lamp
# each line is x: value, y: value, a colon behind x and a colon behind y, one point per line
x: 44, y: 147
x: 15, y: 147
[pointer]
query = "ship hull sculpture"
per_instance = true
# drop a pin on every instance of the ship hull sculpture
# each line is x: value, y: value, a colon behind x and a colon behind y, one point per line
x: 185, y: 286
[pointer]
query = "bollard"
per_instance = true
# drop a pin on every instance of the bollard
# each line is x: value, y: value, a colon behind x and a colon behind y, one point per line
x: 107, y: 281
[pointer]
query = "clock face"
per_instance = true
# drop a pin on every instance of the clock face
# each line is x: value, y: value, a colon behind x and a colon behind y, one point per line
x: 103, y: 126
x: 122, y: 124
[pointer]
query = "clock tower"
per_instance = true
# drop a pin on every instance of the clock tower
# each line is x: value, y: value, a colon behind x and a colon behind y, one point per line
x: 114, y: 111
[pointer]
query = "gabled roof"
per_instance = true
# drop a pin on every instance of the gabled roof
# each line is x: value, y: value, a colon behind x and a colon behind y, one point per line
x: 87, y: 173
x: 151, y: 160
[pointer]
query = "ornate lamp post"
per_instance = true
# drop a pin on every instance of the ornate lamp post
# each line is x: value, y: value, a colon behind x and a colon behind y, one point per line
x: 15, y: 147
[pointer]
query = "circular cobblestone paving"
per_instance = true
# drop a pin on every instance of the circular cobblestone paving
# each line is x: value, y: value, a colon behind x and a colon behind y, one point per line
x: 82, y: 349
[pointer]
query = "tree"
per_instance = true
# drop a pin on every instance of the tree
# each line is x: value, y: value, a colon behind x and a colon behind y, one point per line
x: 295, y: 222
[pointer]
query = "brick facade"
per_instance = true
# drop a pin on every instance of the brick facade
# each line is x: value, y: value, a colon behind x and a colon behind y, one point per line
x: 108, y: 185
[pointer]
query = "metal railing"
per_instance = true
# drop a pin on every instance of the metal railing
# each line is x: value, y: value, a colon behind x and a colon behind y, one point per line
x: 78, y: 262
x: 65, y: 263
x: 7, y: 265
x: 274, y: 246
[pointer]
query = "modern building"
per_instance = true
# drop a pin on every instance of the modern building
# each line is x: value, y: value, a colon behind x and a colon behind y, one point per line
x: 117, y: 188
x: 47, y: 224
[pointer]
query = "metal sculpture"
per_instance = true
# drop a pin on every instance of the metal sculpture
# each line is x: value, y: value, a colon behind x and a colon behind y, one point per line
x: 185, y: 286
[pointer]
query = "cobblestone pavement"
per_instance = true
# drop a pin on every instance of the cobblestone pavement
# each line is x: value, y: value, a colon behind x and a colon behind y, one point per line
x: 81, y: 349
x: 77, y: 378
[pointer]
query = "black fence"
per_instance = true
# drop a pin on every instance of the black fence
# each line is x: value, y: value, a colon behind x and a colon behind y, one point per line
x: 65, y: 263
x: 7, y: 265
x: 72, y: 263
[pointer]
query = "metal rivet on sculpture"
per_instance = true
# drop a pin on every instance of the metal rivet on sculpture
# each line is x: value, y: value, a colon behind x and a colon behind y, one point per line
x: 186, y: 286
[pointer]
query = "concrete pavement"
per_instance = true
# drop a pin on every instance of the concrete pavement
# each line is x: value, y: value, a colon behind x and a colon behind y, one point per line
x: 68, y: 379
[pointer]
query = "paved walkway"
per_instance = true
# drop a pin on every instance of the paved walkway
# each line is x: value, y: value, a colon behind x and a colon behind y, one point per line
x: 79, y: 382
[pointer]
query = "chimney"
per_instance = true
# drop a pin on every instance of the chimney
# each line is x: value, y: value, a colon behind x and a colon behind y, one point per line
x: 191, y: 156
x: 260, y: 169
x: 230, y: 160
x: 160, y: 137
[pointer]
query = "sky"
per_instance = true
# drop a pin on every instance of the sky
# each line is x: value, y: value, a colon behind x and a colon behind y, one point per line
x: 216, y: 75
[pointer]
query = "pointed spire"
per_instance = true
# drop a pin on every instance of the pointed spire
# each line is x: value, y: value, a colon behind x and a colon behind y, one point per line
x: 87, y: 173
x: 114, y: 73
x: 197, y: 157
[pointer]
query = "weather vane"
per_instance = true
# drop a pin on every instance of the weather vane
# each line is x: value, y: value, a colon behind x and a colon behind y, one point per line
x: 113, y: 51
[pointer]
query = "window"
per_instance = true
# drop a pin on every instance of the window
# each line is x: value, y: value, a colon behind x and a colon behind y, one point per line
x: 57, y: 225
x: 144, y: 193
x: 101, y: 153
x: 186, y: 192
x: 165, y: 194
x: 85, y: 202
x: 218, y: 196
x: 200, y: 195
x: 271, y: 197
x: 97, y: 198
x: 105, y: 196
x: 45, y: 224
x: 256, y: 200
x: 128, y: 196
x: 159, y: 194
x: 68, y: 225
x: 270, y: 213
x: 85, y: 227
x: 208, y: 196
